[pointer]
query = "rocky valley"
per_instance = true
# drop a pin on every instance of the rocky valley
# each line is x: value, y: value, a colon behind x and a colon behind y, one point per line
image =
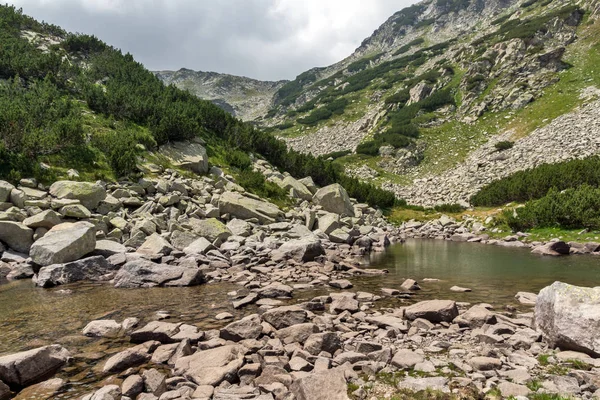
x: 417, y: 221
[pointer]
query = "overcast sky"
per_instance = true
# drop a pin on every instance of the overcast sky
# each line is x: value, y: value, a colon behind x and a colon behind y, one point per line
x: 263, y: 39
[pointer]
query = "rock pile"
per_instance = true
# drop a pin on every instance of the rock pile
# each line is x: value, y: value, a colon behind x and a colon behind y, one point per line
x: 313, y: 350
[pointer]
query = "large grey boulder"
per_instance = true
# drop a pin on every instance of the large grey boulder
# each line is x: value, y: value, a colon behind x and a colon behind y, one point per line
x: 16, y: 235
x: 246, y: 328
x: 243, y: 207
x: 107, y: 248
x: 46, y: 219
x: 321, y: 385
x: 211, y: 229
x: 553, y: 249
x: 155, y: 244
x: 5, y: 189
x: 335, y: 199
x: 432, y: 310
x: 87, y: 269
x: 303, y: 250
x: 211, y: 367
x: 568, y: 317
x: 144, y: 274
x: 89, y: 194
x: 32, y: 366
x: 328, y: 223
x: 286, y: 316
x: 297, y: 188
x: 64, y: 243
x: 187, y: 155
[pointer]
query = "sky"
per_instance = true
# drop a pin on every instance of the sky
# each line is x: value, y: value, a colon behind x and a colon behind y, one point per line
x: 262, y: 39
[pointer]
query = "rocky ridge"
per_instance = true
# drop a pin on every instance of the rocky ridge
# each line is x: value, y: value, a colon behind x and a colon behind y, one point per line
x: 243, y: 97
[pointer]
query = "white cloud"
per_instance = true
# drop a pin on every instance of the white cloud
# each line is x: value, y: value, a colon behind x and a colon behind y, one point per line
x: 266, y: 39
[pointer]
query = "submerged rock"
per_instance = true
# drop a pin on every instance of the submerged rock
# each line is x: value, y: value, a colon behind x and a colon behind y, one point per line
x: 144, y: 273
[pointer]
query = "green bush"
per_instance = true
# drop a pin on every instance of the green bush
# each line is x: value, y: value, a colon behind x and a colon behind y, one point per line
x: 369, y: 148
x: 398, y: 98
x: 237, y: 159
x: 536, y: 182
x: 255, y: 182
x: 570, y: 209
x: 408, y: 46
x: 336, y: 154
x: 289, y: 92
x: 449, y: 208
x: 504, y: 145
x: 336, y: 107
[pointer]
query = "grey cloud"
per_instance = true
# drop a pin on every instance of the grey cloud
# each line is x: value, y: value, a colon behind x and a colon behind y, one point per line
x: 264, y: 39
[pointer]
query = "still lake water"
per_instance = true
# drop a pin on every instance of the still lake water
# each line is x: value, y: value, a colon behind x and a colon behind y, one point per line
x: 31, y: 317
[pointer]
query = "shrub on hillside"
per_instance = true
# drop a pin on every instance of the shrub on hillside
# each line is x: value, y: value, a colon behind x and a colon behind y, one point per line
x: 449, y: 208
x: 536, y: 182
x: 569, y: 209
x: 504, y: 145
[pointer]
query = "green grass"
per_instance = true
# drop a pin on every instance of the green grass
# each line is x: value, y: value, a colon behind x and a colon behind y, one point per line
x: 543, y: 359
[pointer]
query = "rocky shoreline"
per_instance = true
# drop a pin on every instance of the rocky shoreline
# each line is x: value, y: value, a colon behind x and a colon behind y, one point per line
x: 341, y: 346
x: 472, y: 230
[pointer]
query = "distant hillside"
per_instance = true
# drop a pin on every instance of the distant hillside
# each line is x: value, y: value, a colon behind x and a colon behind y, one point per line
x: 243, y: 97
x: 438, y: 84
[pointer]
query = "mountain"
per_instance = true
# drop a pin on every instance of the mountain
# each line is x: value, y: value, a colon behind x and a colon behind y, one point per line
x: 243, y: 97
x: 72, y: 106
x: 421, y: 103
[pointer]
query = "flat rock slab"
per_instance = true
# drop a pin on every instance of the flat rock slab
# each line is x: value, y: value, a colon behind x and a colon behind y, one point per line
x: 211, y: 367
x: 433, y: 310
x: 323, y: 385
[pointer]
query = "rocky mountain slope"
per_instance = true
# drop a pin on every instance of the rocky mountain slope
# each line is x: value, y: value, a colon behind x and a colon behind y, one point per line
x: 243, y: 97
x: 439, y: 80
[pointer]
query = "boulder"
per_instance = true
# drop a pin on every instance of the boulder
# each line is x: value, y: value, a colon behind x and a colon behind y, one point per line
x: 526, y: 298
x: 108, y: 248
x: 475, y: 317
x: 187, y: 155
x: 46, y: 390
x: 405, y: 358
x: 309, y: 183
x: 303, y: 250
x: 243, y: 207
x: 64, y: 243
x: 283, y: 317
x: 553, y: 249
x: 296, y: 333
x: 328, y: 223
x: 239, y: 227
x: 323, y: 385
x: 144, y: 273
x: 159, y: 331
x: 328, y: 342
x: 433, y: 310
x: 32, y: 366
x: 199, y: 246
x: 246, y: 328
x: 16, y: 235
x: 211, y: 229
x: 46, y: 219
x: 567, y: 317
x: 89, y: 194
x: 335, y: 199
x: 102, y: 328
x: 87, y: 269
x: 133, y: 357
x: 155, y: 244
x: 211, y: 367
x: 5, y: 189
x: 300, y: 190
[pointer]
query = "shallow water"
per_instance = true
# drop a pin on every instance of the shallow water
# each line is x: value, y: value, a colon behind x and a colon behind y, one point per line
x: 31, y: 317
